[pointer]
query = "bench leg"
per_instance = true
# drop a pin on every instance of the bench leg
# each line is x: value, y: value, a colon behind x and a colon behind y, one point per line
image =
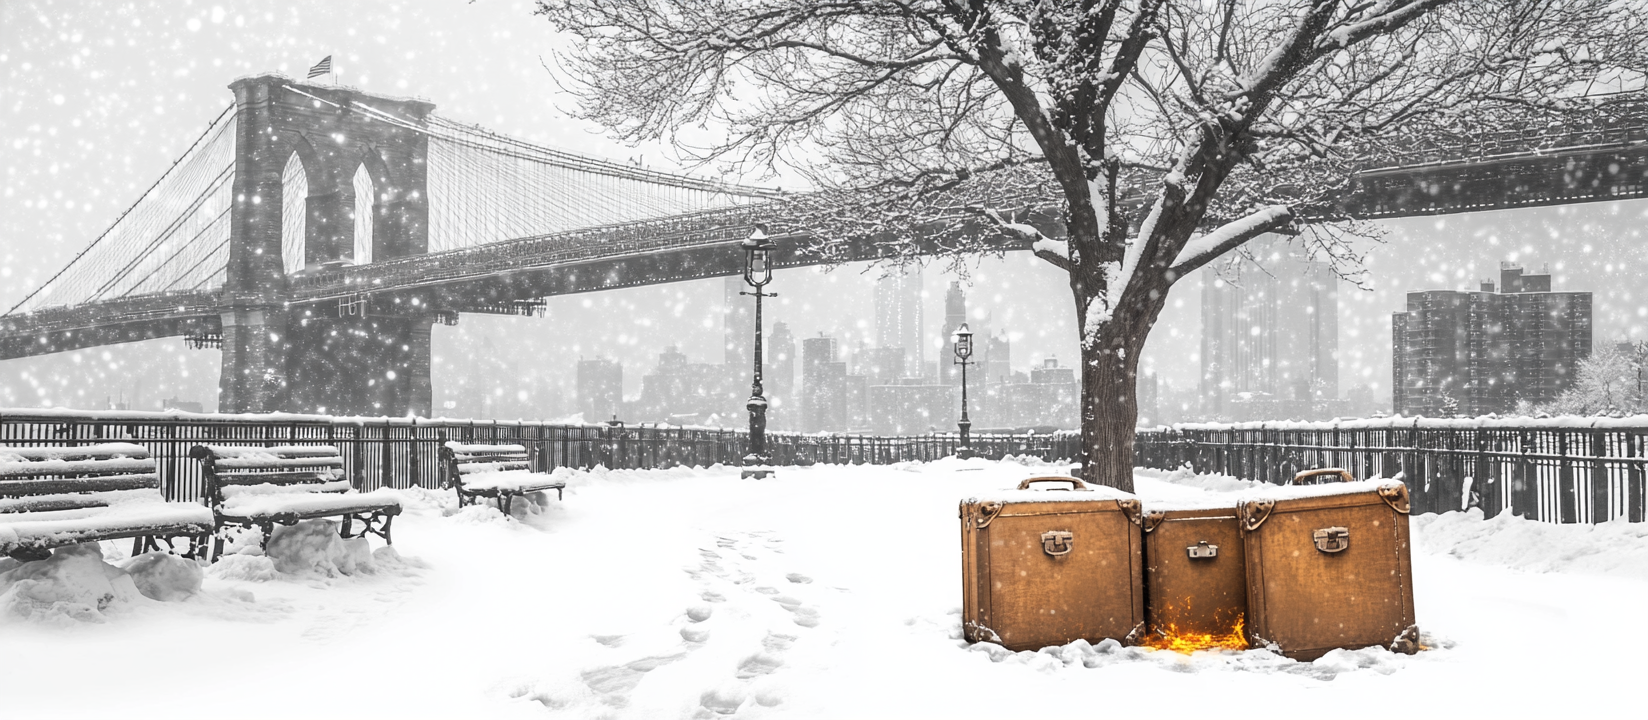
x: 504, y: 501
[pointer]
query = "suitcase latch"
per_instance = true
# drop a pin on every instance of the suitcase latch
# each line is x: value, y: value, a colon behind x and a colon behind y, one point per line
x: 1057, y: 542
x: 1202, y: 550
x: 1332, y: 540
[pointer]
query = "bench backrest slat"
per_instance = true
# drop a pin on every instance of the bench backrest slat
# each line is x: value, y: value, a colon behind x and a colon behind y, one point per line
x: 57, y: 478
x: 75, y: 500
x: 459, y: 459
x: 300, y: 469
x: 26, y: 488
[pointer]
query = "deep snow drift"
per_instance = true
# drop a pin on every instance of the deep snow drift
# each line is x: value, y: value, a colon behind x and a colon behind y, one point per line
x: 824, y: 592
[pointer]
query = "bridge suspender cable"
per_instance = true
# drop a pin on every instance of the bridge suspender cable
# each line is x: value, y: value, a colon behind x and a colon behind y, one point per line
x: 527, y: 151
x: 209, y: 127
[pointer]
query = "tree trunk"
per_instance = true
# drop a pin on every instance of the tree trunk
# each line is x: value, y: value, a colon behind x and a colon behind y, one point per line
x: 1110, y: 410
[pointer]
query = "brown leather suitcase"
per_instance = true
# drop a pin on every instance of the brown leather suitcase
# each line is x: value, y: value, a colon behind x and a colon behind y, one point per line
x: 1195, y: 578
x: 1328, y: 566
x: 1048, y: 567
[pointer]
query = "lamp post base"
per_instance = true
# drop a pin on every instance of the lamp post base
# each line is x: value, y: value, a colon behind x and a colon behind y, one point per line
x: 964, y: 452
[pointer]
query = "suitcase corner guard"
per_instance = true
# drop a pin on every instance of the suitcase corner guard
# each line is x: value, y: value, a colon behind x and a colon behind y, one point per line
x: 1395, y: 496
x: 1132, y: 509
x: 1255, y: 512
x: 987, y: 512
x: 1407, y: 643
x: 1153, y: 519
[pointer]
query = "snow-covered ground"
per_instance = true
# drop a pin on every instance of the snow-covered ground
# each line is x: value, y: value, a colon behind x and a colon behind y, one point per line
x: 826, y: 592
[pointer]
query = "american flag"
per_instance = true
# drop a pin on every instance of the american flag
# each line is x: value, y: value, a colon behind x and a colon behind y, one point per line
x: 322, y: 67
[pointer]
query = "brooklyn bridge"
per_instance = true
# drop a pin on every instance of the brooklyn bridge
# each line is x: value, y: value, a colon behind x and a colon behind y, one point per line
x: 315, y: 234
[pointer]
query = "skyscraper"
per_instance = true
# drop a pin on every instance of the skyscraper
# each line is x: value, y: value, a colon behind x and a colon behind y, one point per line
x: 779, y: 378
x: 898, y: 317
x: 600, y: 388
x: 737, y: 325
x: 955, y: 313
x: 1269, y: 334
x: 1474, y: 353
x: 823, y: 386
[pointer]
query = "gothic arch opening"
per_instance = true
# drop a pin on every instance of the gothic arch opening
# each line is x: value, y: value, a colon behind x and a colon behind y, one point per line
x: 294, y: 201
x: 364, y: 201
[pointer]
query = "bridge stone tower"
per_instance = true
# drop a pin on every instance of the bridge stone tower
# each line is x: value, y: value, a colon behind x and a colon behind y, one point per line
x: 361, y: 359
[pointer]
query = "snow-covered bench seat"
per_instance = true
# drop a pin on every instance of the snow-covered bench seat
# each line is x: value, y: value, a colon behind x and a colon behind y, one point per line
x: 264, y: 486
x: 56, y: 496
x: 500, y: 472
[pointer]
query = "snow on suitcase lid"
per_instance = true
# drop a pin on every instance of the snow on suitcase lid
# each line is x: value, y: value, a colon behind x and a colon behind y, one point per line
x: 1300, y: 492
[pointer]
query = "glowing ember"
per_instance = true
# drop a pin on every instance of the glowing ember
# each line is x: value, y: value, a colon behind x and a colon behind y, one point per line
x: 1170, y: 638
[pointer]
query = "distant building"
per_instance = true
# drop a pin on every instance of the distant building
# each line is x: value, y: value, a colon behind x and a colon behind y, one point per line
x: 181, y: 405
x: 1051, y: 397
x: 955, y: 313
x: 686, y: 392
x: 912, y: 406
x: 823, y: 386
x: 899, y: 318
x: 1481, y: 352
x: 737, y: 324
x: 778, y: 377
x: 1270, y: 334
x: 600, y: 389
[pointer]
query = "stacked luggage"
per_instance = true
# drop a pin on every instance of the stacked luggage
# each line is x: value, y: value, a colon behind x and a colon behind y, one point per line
x: 1300, y: 569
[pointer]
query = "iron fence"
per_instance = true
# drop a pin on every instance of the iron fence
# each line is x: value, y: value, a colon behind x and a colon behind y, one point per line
x: 405, y: 452
x: 1562, y: 470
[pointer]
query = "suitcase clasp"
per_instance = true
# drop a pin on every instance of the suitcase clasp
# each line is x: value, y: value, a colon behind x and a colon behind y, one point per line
x: 1202, y: 550
x: 1332, y: 540
x: 1057, y: 542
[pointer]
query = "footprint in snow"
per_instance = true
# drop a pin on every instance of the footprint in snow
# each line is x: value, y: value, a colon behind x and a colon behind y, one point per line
x: 613, y: 684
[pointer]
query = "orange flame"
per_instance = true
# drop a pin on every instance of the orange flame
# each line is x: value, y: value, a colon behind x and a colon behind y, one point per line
x: 1169, y: 637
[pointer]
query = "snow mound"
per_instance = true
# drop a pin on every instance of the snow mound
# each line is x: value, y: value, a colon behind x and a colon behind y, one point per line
x: 388, y: 558
x: 247, y: 567
x: 74, y: 584
x: 1614, y: 548
x: 164, y: 576
x: 1108, y: 653
x: 313, y: 547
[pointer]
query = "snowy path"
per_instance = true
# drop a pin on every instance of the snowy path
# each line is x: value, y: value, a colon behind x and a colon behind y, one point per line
x: 829, y: 592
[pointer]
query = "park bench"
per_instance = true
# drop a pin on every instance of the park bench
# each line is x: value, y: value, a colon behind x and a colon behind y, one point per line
x: 266, y: 486
x: 500, y: 472
x: 56, y: 496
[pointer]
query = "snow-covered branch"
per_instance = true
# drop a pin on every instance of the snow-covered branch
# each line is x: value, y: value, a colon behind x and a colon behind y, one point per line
x: 1201, y: 250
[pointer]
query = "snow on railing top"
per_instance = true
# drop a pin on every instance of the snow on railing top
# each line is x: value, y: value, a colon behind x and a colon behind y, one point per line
x: 1398, y: 422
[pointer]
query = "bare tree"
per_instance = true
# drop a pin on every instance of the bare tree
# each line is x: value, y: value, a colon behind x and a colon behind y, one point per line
x: 1126, y: 142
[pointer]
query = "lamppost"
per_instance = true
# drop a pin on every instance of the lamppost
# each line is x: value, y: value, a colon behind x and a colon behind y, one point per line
x: 757, y: 272
x: 964, y: 350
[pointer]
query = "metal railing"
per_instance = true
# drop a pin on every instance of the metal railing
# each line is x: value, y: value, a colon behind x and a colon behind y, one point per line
x: 404, y: 452
x: 1565, y: 470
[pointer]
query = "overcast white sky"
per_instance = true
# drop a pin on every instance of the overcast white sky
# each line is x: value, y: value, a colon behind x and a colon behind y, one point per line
x: 97, y: 99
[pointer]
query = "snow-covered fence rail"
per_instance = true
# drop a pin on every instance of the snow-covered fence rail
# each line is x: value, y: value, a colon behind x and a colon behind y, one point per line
x: 1568, y: 470
x: 403, y: 452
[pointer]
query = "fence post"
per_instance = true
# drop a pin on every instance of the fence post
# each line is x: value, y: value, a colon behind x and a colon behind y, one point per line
x: 1487, y: 478
x: 1567, y: 488
x: 1600, y: 482
x: 1635, y: 481
x: 1524, y: 487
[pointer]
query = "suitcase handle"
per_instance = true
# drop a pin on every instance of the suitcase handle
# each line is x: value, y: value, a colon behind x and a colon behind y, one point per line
x: 1074, y: 483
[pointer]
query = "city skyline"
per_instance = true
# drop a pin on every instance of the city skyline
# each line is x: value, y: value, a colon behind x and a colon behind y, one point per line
x: 154, y: 101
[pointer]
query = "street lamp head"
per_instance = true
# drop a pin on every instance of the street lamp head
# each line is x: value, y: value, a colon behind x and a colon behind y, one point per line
x: 964, y: 342
x: 757, y: 257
